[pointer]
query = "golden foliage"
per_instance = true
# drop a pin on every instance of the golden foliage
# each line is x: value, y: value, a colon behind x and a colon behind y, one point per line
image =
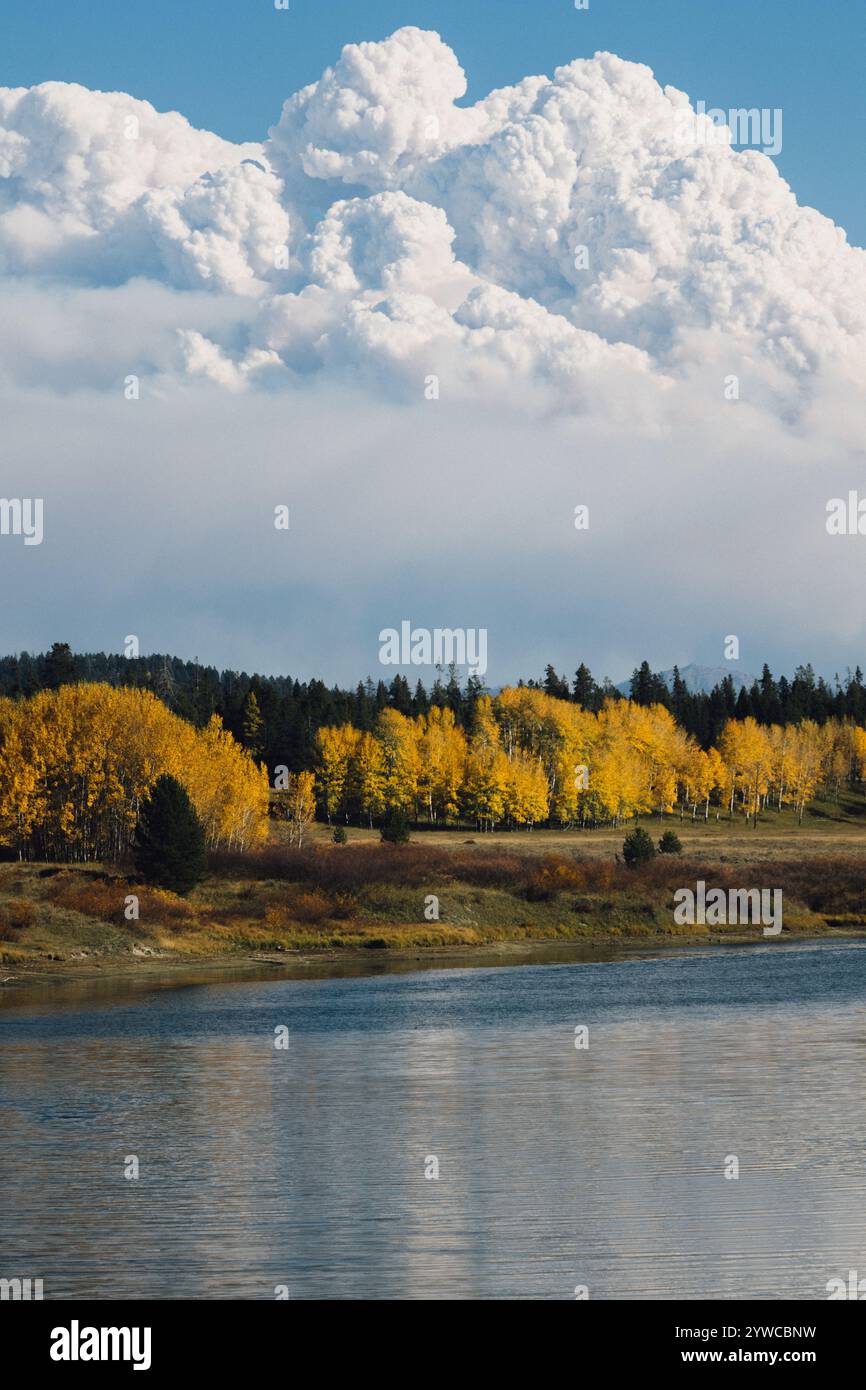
x: 529, y: 757
x: 76, y: 763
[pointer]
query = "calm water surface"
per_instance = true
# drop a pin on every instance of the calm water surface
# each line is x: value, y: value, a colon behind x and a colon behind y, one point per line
x: 557, y: 1167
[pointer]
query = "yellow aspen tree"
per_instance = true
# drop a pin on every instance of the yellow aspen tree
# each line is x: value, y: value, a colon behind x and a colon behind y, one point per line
x: 486, y: 769
x: 748, y: 752
x: 806, y: 764
x: 368, y: 778
x: 526, y: 790
x: 715, y: 779
x: 76, y: 763
x: 442, y: 764
x: 858, y: 742
x: 335, y: 749
x: 301, y: 801
x: 398, y: 739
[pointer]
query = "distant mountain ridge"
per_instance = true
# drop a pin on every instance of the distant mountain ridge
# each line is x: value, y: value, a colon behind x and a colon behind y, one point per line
x: 701, y: 678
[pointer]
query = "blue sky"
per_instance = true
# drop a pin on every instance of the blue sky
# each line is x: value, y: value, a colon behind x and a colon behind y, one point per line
x: 454, y: 509
x: 228, y: 65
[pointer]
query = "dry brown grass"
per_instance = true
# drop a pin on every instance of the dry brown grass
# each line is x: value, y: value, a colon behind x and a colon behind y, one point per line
x: 105, y: 899
x: 832, y: 881
x: 366, y: 894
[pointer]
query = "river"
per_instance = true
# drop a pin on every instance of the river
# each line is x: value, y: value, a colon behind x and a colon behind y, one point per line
x: 309, y: 1169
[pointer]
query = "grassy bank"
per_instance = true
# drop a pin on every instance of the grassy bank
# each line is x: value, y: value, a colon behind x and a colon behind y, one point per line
x: 547, y: 886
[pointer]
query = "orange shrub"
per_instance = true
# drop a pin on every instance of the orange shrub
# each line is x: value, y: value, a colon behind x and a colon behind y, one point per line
x: 15, y: 914
x: 310, y: 907
x: 94, y: 899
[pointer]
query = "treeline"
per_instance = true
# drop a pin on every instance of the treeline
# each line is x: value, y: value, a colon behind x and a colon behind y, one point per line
x: 528, y: 758
x: 767, y: 701
x: 277, y: 717
x: 77, y: 764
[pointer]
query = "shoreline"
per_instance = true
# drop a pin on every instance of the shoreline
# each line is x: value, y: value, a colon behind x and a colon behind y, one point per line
x: 157, y: 971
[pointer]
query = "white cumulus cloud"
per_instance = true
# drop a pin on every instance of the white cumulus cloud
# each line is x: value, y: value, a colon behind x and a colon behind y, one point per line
x: 579, y: 268
x: 563, y: 233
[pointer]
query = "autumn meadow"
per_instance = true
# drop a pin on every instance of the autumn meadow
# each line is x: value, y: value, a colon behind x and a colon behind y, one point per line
x: 502, y: 821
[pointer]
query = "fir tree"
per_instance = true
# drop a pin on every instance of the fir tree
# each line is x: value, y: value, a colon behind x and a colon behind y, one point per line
x: 584, y: 688
x: 169, y: 838
x: 637, y: 847
x: 395, y: 828
x: 59, y: 667
x: 253, y: 727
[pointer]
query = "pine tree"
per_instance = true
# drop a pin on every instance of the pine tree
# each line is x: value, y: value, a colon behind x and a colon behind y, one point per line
x: 420, y: 701
x: 584, y: 688
x: 453, y: 693
x: 554, y: 685
x: 395, y: 828
x: 253, y: 726
x: 164, y: 685
x: 637, y: 847
x: 59, y: 667
x: 399, y: 695
x: 679, y: 694
x: 169, y: 838
x: 641, y: 690
x: 670, y: 843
